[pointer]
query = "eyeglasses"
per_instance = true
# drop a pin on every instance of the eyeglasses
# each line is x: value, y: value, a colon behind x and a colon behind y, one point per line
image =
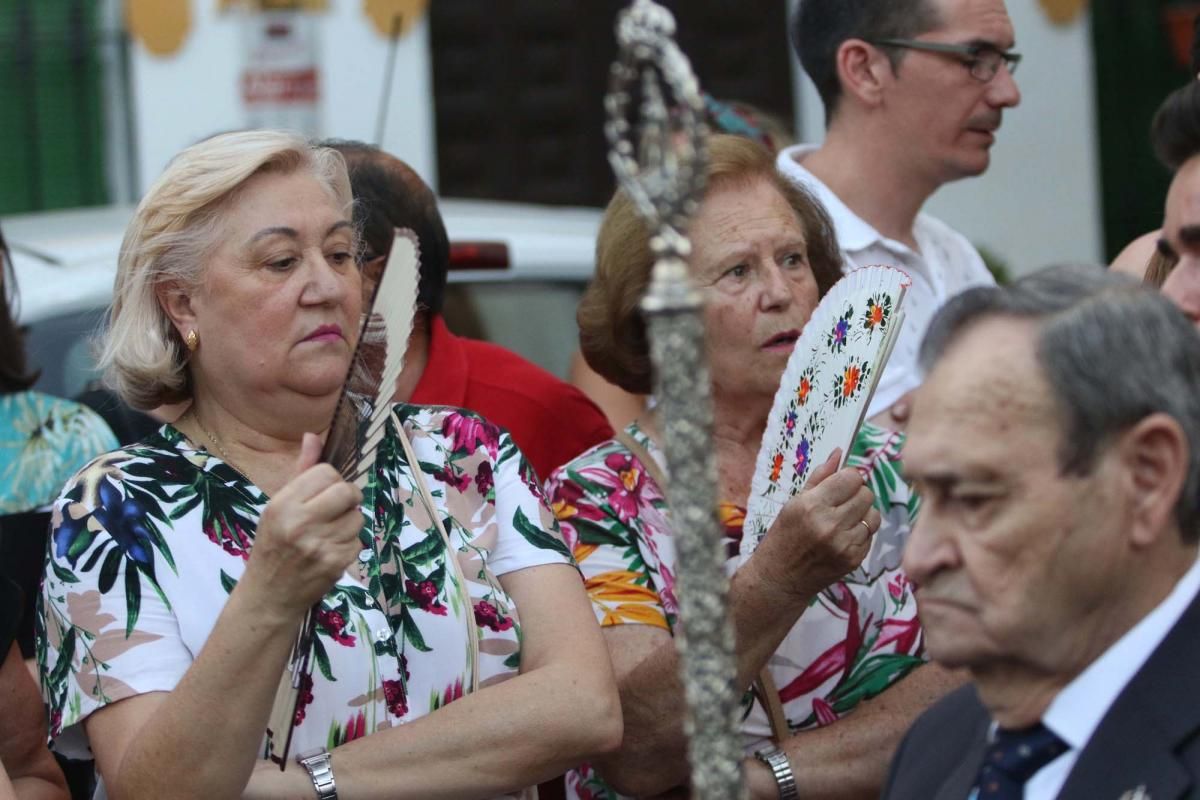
x: 982, y: 60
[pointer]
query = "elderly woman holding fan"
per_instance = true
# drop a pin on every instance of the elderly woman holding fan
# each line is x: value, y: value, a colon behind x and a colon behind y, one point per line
x: 824, y: 591
x: 182, y: 566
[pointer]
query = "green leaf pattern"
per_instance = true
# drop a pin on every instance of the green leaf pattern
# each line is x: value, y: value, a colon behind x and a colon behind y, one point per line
x: 149, y: 541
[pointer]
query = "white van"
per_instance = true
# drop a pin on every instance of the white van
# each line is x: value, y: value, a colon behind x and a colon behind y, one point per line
x: 516, y: 275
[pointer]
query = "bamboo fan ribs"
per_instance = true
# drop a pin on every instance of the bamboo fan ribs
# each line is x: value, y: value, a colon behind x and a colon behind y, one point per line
x: 359, y: 421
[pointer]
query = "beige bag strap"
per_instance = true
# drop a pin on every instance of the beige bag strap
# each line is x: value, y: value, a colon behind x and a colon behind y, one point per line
x: 451, y: 560
x: 764, y: 687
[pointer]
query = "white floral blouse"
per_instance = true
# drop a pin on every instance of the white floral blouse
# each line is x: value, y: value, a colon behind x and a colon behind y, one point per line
x: 148, y: 542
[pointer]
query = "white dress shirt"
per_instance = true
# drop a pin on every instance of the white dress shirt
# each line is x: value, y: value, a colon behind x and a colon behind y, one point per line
x: 944, y: 265
x: 1077, y: 710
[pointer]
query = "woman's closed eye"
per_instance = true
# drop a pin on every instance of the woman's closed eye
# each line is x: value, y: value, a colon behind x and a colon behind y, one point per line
x: 282, y: 263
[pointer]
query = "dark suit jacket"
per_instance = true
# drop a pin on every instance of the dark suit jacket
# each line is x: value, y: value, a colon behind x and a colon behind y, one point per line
x: 1149, y: 738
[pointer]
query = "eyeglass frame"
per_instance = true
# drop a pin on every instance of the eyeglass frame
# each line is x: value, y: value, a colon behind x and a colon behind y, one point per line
x: 971, y: 54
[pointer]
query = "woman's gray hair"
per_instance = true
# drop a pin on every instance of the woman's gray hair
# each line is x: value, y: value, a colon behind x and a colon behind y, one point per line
x: 171, y: 237
x: 1113, y: 351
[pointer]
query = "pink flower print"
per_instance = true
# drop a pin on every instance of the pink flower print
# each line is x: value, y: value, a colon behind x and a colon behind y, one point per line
x: 335, y: 625
x: 489, y: 616
x: 356, y: 727
x: 625, y: 490
x: 484, y: 479
x: 469, y: 432
x: 425, y: 595
x: 906, y: 633
x: 232, y: 537
x: 898, y: 587
x: 451, y: 475
x: 824, y: 712
x: 453, y: 692
x: 565, y: 497
x: 396, y: 697
x: 304, y: 697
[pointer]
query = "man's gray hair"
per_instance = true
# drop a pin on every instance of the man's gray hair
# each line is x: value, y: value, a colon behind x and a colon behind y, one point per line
x: 1113, y: 352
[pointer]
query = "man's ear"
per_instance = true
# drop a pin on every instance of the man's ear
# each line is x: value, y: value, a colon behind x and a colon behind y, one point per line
x: 1155, y: 456
x: 863, y: 70
x: 176, y: 301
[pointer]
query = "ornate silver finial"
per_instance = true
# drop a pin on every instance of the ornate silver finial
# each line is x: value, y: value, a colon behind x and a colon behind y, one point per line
x: 659, y: 157
x: 659, y: 160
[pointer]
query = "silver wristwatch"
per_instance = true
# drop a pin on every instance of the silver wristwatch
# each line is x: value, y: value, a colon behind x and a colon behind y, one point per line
x: 777, y: 761
x: 321, y: 772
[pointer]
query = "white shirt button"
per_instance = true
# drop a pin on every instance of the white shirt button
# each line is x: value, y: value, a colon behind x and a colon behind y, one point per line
x: 365, y: 555
x: 383, y: 634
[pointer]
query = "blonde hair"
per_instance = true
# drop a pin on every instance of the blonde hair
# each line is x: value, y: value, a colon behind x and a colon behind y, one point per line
x: 171, y: 237
x: 612, y: 333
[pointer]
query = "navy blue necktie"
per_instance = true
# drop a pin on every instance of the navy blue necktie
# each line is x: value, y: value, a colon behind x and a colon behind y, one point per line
x: 1012, y: 758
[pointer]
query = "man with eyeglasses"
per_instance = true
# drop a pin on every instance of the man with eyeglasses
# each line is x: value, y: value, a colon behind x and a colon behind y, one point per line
x: 914, y: 92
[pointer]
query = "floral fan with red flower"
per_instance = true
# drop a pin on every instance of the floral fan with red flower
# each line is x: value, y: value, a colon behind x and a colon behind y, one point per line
x: 826, y: 388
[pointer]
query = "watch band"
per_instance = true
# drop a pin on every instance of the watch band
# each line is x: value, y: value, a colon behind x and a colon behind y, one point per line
x: 777, y: 761
x: 321, y: 771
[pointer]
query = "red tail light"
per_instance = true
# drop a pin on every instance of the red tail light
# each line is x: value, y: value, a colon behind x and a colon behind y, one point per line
x: 479, y: 255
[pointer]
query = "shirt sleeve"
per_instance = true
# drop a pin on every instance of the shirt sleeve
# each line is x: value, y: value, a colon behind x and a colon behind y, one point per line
x: 106, y: 629
x: 528, y: 533
x: 600, y: 521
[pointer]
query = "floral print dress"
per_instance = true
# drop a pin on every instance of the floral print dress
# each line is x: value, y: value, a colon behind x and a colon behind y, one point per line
x: 43, y: 440
x: 858, y: 637
x: 148, y: 542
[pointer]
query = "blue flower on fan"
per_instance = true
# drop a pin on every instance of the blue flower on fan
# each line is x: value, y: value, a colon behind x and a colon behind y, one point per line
x: 789, y: 422
x: 802, y: 455
x: 836, y: 339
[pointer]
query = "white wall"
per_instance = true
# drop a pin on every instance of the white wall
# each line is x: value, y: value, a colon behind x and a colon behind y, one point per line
x: 196, y: 91
x: 1039, y: 202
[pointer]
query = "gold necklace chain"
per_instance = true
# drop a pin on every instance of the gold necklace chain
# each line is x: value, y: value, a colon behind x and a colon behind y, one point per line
x: 216, y: 442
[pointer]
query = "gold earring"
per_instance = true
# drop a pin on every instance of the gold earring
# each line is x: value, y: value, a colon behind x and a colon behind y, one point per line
x: 192, y: 340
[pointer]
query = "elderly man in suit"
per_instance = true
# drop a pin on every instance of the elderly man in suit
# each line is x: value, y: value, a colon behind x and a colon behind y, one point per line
x: 1056, y: 442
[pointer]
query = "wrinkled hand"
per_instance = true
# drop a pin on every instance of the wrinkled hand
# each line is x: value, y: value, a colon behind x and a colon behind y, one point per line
x: 307, y: 535
x: 819, y: 535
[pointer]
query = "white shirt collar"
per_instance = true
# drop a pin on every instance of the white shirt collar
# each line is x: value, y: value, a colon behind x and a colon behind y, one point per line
x: 1077, y: 710
x: 853, y: 232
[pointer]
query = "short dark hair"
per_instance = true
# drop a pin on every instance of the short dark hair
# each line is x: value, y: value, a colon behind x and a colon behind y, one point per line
x: 14, y: 374
x: 1113, y: 352
x: 1175, y: 130
x: 818, y: 28
x: 389, y: 194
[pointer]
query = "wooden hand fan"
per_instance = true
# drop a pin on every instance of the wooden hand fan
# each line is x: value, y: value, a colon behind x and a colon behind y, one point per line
x: 826, y: 389
x: 357, y: 428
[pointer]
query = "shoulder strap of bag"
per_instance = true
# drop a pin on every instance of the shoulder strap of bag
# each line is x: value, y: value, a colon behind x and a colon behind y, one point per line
x: 451, y: 558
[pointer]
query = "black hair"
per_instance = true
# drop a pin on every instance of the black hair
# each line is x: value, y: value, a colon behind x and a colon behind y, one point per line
x: 1175, y: 130
x: 388, y: 194
x: 15, y: 375
x: 819, y: 27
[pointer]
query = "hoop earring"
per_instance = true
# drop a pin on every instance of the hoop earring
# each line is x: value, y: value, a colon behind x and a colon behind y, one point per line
x: 192, y: 340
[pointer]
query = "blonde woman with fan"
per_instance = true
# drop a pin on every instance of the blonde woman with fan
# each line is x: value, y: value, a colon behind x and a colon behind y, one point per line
x: 763, y: 253
x: 451, y: 628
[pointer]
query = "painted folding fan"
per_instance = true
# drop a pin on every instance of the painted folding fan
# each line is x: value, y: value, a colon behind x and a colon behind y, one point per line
x: 357, y: 428
x: 826, y: 389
